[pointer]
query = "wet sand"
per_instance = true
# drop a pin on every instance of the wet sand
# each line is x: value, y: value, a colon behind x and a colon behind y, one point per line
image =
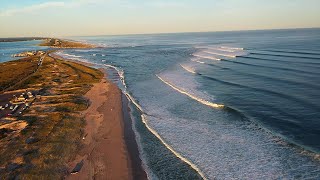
x: 136, y: 164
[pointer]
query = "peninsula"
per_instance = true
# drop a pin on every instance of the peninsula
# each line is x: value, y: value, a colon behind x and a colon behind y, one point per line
x: 61, y: 119
x: 60, y: 43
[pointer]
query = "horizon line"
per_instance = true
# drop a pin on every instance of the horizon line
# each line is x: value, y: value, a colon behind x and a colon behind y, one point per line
x: 182, y: 32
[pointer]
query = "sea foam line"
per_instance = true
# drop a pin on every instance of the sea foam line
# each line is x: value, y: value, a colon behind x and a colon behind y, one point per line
x: 215, y: 48
x: 219, y: 54
x: 188, y: 69
x: 233, y: 48
x: 155, y: 133
x: 196, y: 60
x: 144, y: 120
x: 207, y: 57
x: 202, y: 101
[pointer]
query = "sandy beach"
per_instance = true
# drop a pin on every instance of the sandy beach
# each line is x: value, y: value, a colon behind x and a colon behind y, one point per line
x: 105, y: 153
x: 98, y: 141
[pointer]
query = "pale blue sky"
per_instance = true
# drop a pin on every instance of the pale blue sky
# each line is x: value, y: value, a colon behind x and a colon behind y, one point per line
x: 103, y: 17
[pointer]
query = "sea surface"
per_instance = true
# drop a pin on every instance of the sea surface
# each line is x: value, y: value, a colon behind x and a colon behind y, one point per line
x: 7, y: 49
x: 220, y: 105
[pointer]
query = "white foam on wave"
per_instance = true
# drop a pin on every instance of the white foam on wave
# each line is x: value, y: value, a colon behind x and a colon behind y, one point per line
x: 221, y: 149
x: 232, y: 48
x: 67, y: 55
x: 198, y: 61
x: 70, y: 56
x: 220, y: 54
x: 202, y: 101
x: 154, y: 132
x: 206, y: 57
x: 215, y: 48
x: 190, y: 70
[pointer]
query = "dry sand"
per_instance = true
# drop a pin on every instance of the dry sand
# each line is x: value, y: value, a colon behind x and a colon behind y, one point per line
x: 104, y: 154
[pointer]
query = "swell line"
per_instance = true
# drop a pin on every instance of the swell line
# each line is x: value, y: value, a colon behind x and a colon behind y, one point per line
x: 233, y: 48
x: 188, y: 69
x: 144, y: 120
x: 264, y: 77
x: 278, y: 60
x: 262, y: 90
x: 279, y: 55
x: 294, y: 52
x: 155, y: 133
x: 219, y: 49
x: 206, y: 57
x: 202, y: 101
x: 219, y: 54
x: 269, y: 67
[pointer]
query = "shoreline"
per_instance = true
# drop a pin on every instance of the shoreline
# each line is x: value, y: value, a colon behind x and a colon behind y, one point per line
x: 104, y: 153
x: 138, y: 171
x: 107, y: 146
x: 131, y: 153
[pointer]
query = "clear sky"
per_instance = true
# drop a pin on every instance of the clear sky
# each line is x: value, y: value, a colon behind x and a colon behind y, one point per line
x: 103, y: 17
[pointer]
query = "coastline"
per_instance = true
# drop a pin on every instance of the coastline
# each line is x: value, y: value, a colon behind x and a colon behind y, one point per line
x: 103, y: 143
x: 104, y: 154
x: 107, y: 100
x: 137, y: 169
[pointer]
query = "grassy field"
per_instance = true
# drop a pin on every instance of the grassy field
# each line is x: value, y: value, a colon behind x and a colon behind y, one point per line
x: 54, y: 125
x: 14, y: 71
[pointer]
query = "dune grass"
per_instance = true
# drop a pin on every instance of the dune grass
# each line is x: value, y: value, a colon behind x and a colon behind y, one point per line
x: 55, y: 126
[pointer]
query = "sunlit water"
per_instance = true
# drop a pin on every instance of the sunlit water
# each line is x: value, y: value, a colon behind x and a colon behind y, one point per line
x: 231, y: 105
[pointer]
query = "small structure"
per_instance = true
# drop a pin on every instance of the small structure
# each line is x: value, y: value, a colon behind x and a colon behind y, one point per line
x: 30, y: 95
x: 21, y: 98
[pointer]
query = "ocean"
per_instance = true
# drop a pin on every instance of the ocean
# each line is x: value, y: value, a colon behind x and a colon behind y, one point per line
x: 7, y: 49
x: 219, y: 105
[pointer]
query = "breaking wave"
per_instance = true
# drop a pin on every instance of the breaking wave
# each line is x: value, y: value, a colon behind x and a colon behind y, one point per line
x: 218, y: 52
x: 145, y: 121
x: 188, y: 69
x: 202, y: 101
x: 206, y: 57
